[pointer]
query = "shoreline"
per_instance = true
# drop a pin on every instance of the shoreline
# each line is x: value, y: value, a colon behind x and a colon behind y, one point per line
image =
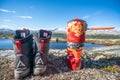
x: 104, y: 49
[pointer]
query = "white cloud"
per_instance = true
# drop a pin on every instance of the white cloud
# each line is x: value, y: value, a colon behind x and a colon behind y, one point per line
x: 9, y: 26
x: 7, y: 20
x: 85, y: 17
x: 7, y: 11
x: 25, y: 17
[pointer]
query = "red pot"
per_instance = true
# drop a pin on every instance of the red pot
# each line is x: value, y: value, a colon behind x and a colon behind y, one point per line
x: 76, y: 31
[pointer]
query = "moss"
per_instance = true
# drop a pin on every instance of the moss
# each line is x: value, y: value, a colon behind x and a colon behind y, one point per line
x: 110, y: 68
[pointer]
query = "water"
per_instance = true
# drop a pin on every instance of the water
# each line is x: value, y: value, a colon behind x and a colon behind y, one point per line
x: 7, y: 44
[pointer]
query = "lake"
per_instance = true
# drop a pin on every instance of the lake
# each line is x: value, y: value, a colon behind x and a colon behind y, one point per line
x: 7, y: 44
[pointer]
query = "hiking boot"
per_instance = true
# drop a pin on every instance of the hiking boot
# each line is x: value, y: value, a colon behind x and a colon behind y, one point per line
x: 22, y: 44
x: 42, y: 40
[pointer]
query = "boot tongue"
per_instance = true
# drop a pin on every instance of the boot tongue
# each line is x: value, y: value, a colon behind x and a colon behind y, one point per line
x: 23, y: 33
x: 44, y: 34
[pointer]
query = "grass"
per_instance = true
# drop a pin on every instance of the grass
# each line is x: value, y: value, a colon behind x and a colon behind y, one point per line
x: 102, y: 36
x: 112, y: 69
x: 6, y: 69
x: 105, y: 39
x: 108, y: 62
x: 6, y: 35
x: 107, y: 42
x: 60, y: 39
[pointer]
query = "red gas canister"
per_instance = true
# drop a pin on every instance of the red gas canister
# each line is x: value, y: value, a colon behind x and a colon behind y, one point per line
x: 73, y: 63
x: 70, y: 61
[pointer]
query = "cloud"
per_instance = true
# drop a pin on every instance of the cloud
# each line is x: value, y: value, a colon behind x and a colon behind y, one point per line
x: 25, y: 17
x: 7, y: 20
x: 10, y: 26
x: 85, y: 17
x: 7, y: 11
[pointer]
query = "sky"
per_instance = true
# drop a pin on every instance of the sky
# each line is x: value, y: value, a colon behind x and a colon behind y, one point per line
x: 50, y: 14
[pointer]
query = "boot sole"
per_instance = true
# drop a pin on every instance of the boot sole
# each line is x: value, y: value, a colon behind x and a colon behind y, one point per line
x: 38, y: 71
x: 19, y: 75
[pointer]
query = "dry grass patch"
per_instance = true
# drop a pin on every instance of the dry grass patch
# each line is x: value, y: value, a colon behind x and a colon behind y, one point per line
x: 104, y: 41
x: 6, y: 69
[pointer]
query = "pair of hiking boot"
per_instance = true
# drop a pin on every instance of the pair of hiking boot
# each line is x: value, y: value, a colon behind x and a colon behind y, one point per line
x: 31, y: 52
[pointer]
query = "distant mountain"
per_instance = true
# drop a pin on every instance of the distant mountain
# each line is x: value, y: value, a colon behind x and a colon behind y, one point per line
x: 6, y: 31
x: 114, y: 32
x: 63, y: 31
x: 59, y: 30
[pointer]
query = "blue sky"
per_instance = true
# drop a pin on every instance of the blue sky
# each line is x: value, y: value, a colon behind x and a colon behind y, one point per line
x: 49, y: 14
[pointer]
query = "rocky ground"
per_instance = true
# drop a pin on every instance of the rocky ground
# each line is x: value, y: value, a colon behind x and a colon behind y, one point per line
x: 101, y: 63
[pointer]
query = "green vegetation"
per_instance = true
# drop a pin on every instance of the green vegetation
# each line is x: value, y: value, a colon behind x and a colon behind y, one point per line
x: 105, y: 62
x: 102, y: 36
x: 107, y: 42
x: 54, y: 39
x: 110, y: 68
x: 6, y: 35
x: 106, y: 39
x: 60, y: 36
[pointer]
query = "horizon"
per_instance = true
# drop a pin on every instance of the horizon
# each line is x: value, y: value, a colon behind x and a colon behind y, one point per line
x: 51, y: 14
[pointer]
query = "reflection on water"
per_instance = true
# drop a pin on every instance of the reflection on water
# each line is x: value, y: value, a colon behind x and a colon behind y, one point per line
x: 64, y: 45
x: 7, y: 44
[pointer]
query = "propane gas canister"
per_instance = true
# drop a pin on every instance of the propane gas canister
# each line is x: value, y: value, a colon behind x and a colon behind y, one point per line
x: 70, y: 61
x: 73, y: 63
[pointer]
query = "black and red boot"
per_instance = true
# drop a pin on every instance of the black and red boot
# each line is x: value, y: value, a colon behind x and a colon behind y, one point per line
x: 23, y: 48
x: 42, y: 41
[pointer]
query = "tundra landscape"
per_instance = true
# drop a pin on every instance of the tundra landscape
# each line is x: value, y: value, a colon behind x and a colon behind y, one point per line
x: 98, y: 62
